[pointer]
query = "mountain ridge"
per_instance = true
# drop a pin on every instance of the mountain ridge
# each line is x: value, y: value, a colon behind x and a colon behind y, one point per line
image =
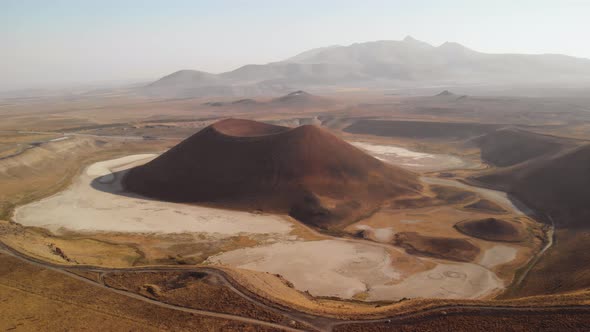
x: 384, y: 64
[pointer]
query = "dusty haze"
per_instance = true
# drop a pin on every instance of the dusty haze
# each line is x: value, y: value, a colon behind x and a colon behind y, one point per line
x: 70, y: 42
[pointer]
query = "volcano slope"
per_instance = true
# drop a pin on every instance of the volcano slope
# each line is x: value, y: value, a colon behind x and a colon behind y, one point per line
x: 508, y: 147
x: 555, y: 183
x: 307, y: 172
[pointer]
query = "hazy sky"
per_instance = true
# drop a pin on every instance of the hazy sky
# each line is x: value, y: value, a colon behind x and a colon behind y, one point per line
x: 45, y: 42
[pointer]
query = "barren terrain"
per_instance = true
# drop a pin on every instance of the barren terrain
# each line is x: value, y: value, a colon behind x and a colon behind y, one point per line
x: 57, y: 154
x: 97, y: 202
x: 97, y: 196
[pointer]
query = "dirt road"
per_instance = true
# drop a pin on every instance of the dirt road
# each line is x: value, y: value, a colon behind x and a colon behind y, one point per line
x: 220, y: 274
x: 313, y: 322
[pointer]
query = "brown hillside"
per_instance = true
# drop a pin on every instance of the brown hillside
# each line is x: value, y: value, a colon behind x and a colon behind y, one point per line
x: 461, y: 250
x: 563, y: 268
x: 507, y: 147
x: 307, y: 172
x: 299, y: 99
x: 492, y: 229
x: 558, y: 185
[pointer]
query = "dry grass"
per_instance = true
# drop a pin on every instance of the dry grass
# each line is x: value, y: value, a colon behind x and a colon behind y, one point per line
x: 37, y: 299
x: 458, y: 319
x: 197, y: 290
x: 562, y: 269
x: 437, y: 196
x: 40, y: 244
x: 24, y: 138
x: 9, y: 150
x: 277, y: 290
x: 92, y: 276
x: 33, y: 298
x: 45, y: 170
x: 109, y: 249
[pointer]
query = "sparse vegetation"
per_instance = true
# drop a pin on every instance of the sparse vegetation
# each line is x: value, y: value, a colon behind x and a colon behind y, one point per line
x: 48, y: 168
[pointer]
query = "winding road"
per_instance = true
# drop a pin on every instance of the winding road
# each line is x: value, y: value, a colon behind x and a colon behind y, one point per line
x: 313, y: 322
x: 218, y: 273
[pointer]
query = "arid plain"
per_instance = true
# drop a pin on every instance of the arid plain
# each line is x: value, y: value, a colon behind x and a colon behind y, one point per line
x: 467, y: 242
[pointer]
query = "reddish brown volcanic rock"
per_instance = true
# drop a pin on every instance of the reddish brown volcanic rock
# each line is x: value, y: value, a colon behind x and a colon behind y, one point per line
x: 307, y: 172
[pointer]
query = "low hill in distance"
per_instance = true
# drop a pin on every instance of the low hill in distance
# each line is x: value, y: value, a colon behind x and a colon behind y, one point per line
x: 445, y: 93
x: 307, y: 172
x: 295, y: 101
x: 299, y: 99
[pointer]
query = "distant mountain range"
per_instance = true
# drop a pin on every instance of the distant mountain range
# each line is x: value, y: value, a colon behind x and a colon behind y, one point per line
x: 379, y: 64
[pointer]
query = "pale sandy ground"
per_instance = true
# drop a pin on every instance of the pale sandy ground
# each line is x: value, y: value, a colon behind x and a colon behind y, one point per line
x: 342, y: 269
x: 83, y: 208
x: 412, y: 159
x: 335, y: 267
x: 59, y: 139
x: 450, y: 281
x: 384, y: 234
x: 326, y: 267
x: 498, y: 255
